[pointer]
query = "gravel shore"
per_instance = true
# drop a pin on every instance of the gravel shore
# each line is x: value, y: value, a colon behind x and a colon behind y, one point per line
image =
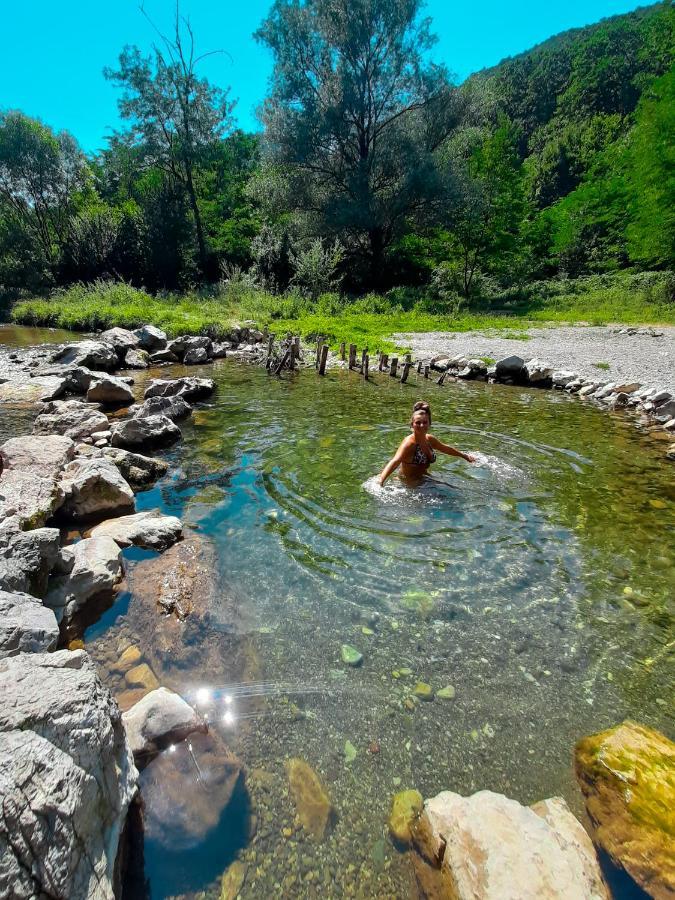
x: 645, y: 354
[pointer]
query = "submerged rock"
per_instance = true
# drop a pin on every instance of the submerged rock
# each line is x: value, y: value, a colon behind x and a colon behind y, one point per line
x: 189, y: 388
x: 138, y: 471
x: 232, y: 880
x: 33, y: 390
x: 161, y: 718
x: 96, y: 569
x: 109, y: 389
x: 67, y: 778
x: 147, y: 431
x: 351, y: 655
x: 311, y: 798
x: 93, y: 486
x: 405, y: 808
x: 71, y: 418
x: 149, y: 529
x: 627, y: 775
x: 491, y: 847
x: 29, y: 478
x: 26, y: 626
x: 142, y: 676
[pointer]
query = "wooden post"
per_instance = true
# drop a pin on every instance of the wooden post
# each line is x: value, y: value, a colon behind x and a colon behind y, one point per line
x: 419, y: 366
x: 408, y: 358
x: 352, y: 355
x: 394, y: 366
x: 296, y: 345
x: 284, y: 360
x: 404, y: 373
x: 426, y: 371
x: 342, y: 351
x: 322, y: 361
x: 379, y: 362
x: 441, y: 379
x: 318, y: 353
x: 384, y: 360
x: 366, y: 360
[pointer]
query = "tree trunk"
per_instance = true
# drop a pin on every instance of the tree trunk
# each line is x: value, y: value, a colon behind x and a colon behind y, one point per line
x: 201, y: 246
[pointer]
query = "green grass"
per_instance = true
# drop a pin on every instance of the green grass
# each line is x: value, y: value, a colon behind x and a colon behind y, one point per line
x: 369, y: 321
x: 602, y: 365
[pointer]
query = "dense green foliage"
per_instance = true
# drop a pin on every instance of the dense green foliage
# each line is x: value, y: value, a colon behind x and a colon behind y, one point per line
x: 373, y: 170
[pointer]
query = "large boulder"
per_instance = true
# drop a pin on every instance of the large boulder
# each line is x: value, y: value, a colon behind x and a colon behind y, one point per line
x: 26, y: 626
x: 137, y: 470
x: 96, y: 570
x: 33, y: 390
x: 172, y: 407
x: 189, y: 388
x: 90, y: 354
x: 627, y: 775
x: 196, y: 357
x: 159, y: 719
x: 94, y: 486
x: 150, y: 529
x: 66, y: 778
x: 150, y: 338
x: 509, y: 367
x: 76, y: 378
x: 71, y: 418
x: 26, y: 557
x: 29, y: 477
x: 135, y: 359
x: 121, y: 339
x: 490, y: 847
x: 147, y: 431
x: 538, y: 372
x: 163, y: 356
x: 109, y: 389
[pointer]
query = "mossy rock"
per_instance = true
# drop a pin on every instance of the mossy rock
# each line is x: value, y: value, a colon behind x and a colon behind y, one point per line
x: 421, y: 602
x: 627, y: 775
x: 405, y: 808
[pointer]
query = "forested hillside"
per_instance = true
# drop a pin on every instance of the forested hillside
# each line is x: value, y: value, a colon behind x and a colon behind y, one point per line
x: 373, y: 170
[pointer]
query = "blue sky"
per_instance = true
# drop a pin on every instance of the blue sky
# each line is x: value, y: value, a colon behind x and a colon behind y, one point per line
x: 52, y: 54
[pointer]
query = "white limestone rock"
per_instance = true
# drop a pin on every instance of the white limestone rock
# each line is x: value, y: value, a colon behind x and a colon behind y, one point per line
x: 26, y: 557
x: 97, y: 568
x: 72, y: 418
x: 150, y: 529
x: 109, y: 389
x: 30, y: 477
x: 93, y: 486
x: 26, y: 626
x: 159, y: 719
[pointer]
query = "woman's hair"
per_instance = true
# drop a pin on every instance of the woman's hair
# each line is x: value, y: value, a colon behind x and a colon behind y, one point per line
x: 421, y: 406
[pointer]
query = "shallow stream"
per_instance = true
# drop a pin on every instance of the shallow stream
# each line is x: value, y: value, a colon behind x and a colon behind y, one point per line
x: 539, y: 584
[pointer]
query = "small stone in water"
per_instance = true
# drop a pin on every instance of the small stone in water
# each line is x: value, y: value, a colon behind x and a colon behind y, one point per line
x: 423, y: 691
x: 351, y: 655
x: 405, y: 671
x: 367, y: 631
x: 446, y: 693
x: 350, y: 752
x: 658, y: 504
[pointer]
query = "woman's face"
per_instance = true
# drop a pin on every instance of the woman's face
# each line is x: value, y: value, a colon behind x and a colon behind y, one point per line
x: 420, y: 422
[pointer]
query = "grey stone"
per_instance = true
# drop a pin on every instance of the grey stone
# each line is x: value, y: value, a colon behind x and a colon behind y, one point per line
x: 219, y: 351
x: 26, y: 626
x: 97, y: 568
x: 26, y: 557
x: 32, y: 390
x: 146, y: 431
x: 562, y: 378
x: 196, y: 357
x: 510, y: 367
x: 538, y: 372
x: 172, y: 407
x: 189, y: 388
x: 90, y: 354
x: 604, y: 391
x: 150, y: 529
x: 94, y: 487
x: 29, y: 478
x: 76, y: 378
x: 664, y: 411
x: 66, y: 778
x: 135, y: 359
x: 159, y: 719
x: 72, y: 418
x: 110, y: 390
x: 139, y: 471
x: 151, y: 338
x: 163, y: 356
x: 199, y: 342
x: 121, y: 339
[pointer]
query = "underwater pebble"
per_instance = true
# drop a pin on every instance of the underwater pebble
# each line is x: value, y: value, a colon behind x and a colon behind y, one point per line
x: 351, y: 655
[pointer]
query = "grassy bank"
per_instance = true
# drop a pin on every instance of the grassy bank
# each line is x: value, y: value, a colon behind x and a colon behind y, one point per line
x: 371, y: 320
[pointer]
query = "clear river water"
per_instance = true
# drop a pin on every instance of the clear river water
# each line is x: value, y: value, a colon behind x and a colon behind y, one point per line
x: 538, y: 584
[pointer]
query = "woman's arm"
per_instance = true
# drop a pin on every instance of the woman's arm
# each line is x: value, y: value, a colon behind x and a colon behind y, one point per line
x: 451, y: 451
x: 394, y: 462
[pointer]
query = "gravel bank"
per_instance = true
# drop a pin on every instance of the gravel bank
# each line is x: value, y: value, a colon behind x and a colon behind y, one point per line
x: 647, y: 356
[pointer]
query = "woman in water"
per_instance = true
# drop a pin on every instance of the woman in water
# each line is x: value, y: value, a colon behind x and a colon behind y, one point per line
x: 417, y: 451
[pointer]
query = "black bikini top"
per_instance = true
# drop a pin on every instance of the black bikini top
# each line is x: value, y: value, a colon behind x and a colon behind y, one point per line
x: 421, y: 459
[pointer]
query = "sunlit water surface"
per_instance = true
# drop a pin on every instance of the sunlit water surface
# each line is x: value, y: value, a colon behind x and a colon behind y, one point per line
x: 538, y: 583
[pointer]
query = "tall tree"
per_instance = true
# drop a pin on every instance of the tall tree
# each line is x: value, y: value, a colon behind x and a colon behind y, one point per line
x: 174, y: 113
x: 354, y: 115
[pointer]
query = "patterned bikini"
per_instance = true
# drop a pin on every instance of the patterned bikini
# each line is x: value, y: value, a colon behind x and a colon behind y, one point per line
x: 420, y: 458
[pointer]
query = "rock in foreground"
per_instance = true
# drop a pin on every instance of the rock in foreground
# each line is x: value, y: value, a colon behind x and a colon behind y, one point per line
x: 26, y: 626
x: 96, y: 569
x: 150, y: 529
x: 66, y: 778
x: 161, y: 718
x: 26, y: 557
x: 149, y: 431
x: 31, y: 468
x: 139, y: 471
x: 627, y: 775
x: 490, y: 847
x: 93, y: 487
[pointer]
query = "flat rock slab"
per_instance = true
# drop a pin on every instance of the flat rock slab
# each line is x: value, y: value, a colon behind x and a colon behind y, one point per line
x: 627, y: 775
x: 72, y: 418
x: 66, y: 777
x: 94, y: 487
x: 96, y: 569
x: 29, y: 482
x: 161, y: 718
x: 33, y: 390
x: 189, y: 388
x: 26, y: 626
x: 491, y: 847
x: 149, y: 529
x: 90, y: 354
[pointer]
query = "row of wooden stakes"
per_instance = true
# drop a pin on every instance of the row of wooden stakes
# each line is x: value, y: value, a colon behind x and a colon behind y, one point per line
x: 291, y: 353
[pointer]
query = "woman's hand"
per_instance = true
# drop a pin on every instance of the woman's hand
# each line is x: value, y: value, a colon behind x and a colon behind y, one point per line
x: 469, y: 457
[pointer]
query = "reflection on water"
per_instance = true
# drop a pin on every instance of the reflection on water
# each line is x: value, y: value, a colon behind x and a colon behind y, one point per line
x: 538, y: 584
